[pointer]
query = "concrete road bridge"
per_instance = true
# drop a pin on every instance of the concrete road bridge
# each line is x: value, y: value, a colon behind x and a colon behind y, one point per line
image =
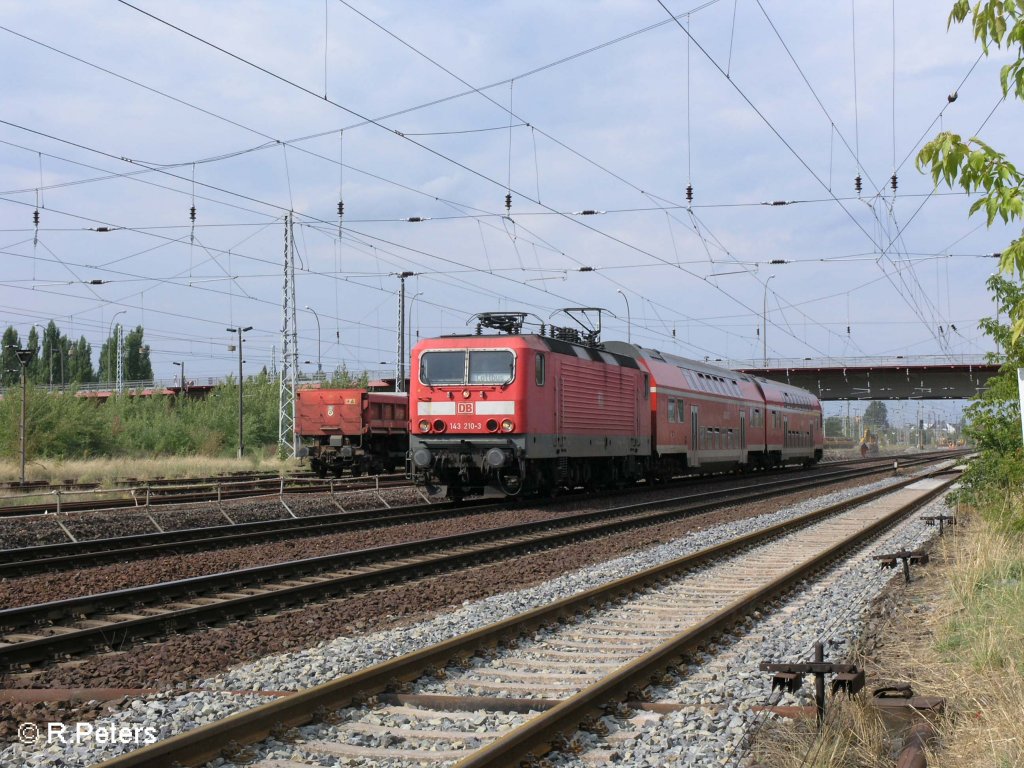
x: 924, y: 377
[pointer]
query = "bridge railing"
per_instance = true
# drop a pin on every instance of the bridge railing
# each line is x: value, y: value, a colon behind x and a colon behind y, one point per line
x: 892, y: 361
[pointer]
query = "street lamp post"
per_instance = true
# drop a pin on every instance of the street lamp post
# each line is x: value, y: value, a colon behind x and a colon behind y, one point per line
x: 111, y: 346
x: 24, y: 357
x: 400, y: 372
x: 764, y: 324
x: 319, y: 367
x: 184, y: 387
x: 629, y: 318
x: 240, y: 330
x: 408, y: 335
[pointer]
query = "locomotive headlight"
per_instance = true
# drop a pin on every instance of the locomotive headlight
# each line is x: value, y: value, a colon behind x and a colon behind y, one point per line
x: 439, y: 425
x: 465, y: 394
x: 424, y: 425
x: 507, y: 425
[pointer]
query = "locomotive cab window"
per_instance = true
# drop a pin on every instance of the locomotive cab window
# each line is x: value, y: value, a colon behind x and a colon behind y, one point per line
x: 442, y: 368
x: 540, y: 371
x: 491, y: 367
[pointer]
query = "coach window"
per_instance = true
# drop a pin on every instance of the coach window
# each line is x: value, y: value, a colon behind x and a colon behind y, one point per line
x: 540, y: 370
x: 491, y: 366
x: 671, y: 410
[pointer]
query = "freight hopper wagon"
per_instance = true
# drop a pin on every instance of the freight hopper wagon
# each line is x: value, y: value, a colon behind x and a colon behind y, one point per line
x: 513, y: 412
x: 353, y: 429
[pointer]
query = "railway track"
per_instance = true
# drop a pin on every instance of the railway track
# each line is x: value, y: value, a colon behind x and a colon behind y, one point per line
x: 56, y: 630
x: 522, y: 686
x: 155, y: 494
x: 74, y: 555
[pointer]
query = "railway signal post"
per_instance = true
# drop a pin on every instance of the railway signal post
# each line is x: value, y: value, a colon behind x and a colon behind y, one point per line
x: 240, y: 330
x: 24, y: 357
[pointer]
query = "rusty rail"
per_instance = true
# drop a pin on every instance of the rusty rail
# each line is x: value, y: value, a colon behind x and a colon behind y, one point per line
x: 204, y: 743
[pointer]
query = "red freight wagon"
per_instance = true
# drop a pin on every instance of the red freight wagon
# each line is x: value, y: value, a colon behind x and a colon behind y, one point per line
x: 525, y: 411
x: 353, y: 429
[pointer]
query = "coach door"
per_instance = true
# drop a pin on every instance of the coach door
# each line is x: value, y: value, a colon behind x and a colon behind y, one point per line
x: 743, y: 435
x: 785, y: 434
x: 694, y: 457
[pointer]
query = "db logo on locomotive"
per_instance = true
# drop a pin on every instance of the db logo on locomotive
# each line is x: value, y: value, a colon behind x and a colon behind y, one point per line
x: 465, y: 408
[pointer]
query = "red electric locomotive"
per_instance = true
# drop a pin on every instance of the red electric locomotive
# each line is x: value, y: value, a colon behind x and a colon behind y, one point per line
x: 353, y: 429
x: 526, y: 411
x: 558, y: 409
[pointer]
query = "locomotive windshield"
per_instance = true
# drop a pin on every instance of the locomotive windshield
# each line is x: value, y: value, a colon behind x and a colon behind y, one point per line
x: 441, y: 368
x: 491, y: 367
x: 450, y: 368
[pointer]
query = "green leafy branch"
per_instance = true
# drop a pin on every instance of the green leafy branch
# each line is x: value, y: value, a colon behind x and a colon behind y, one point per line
x: 999, y: 23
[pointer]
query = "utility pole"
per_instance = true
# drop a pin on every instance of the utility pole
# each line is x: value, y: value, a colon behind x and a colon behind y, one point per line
x: 119, y: 386
x: 764, y: 324
x: 24, y: 357
x: 400, y: 378
x: 287, y: 440
x: 111, y: 346
x: 240, y: 330
x: 183, y: 389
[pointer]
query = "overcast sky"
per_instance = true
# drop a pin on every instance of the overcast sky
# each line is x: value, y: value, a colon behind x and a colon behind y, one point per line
x: 246, y: 110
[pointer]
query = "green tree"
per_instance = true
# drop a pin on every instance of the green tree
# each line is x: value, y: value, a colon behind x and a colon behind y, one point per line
x: 33, y: 344
x: 971, y: 163
x: 80, y: 362
x: 876, y: 415
x: 10, y: 373
x: 992, y: 420
x: 834, y: 426
x: 137, y: 366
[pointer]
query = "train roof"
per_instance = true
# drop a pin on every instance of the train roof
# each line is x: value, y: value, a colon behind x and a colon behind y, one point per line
x: 785, y: 392
x: 558, y: 346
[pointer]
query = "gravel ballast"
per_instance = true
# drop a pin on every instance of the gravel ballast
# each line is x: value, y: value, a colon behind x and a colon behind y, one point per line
x: 345, y: 654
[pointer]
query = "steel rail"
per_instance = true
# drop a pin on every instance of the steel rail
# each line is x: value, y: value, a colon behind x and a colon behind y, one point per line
x: 204, y: 743
x: 128, y: 497
x: 354, y: 570
x: 537, y: 734
x: 67, y: 555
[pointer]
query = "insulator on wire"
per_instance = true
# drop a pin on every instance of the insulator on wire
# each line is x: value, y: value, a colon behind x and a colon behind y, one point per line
x: 857, y: 185
x: 847, y: 330
x: 35, y: 217
x: 689, y: 193
x: 508, y: 202
x: 892, y: 182
x: 192, y: 213
x: 341, y: 209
